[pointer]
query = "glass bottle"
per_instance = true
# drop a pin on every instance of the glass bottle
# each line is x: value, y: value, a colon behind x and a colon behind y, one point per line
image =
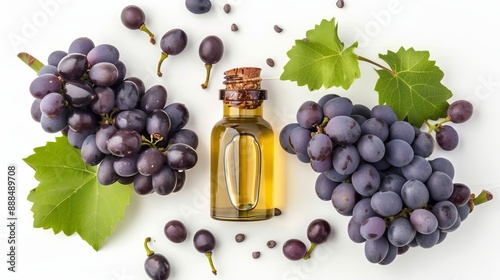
x: 242, y: 152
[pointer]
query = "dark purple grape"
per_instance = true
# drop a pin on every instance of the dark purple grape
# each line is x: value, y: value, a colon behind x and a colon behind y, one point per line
x: 309, y: 114
x: 55, y: 56
x: 141, y: 87
x: 143, y: 184
x: 55, y: 124
x: 124, y: 143
x: 103, y: 53
x: 127, y: 96
x: 181, y: 156
x: 47, y: 69
x: 91, y: 155
x: 81, y: 120
x: 460, y: 111
x: 76, y: 138
x: 150, y: 161
x: 134, y: 18
x: 461, y: 194
x: 164, y: 181
x: 318, y: 232
x: 158, y: 123
x: 172, y: 43
x: 179, y: 115
x: 103, y: 74
x: 78, y: 93
x: 44, y: 84
x: 122, y: 72
x: 81, y: 45
x: 204, y: 242
x: 102, y: 136
x: 156, y: 265
x: 198, y: 6
x: 294, y: 249
x: 106, y: 174
x: 210, y: 51
x: 180, y: 177
x: 447, y: 137
x: 126, y: 166
x: 284, y: 137
x: 52, y: 104
x: 104, y: 100
x: 154, y: 98
x: 186, y: 136
x: 131, y: 120
x: 73, y: 66
x: 175, y: 231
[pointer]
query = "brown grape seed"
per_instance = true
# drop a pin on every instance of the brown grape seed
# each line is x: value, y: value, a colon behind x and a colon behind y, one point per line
x: 278, y: 29
x: 271, y: 244
x: 256, y: 254
x: 234, y: 27
x: 240, y: 237
x: 270, y: 62
x: 227, y: 8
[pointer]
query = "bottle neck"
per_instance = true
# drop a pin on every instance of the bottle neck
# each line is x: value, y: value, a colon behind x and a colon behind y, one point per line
x: 234, y: 111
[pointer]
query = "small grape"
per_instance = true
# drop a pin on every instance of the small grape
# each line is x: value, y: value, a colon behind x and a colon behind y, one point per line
x: 175, y: 231
x: 198, y: 6
x: 460, y: 111
x: 210, y: 51
x: 172, y: 43
x: 204, y: 242
x: 294, y: 249
x: 318, y: 232
x: 81, y: 45
x: 133, y: 18
x: 156, y: 265
x: 447, y: 137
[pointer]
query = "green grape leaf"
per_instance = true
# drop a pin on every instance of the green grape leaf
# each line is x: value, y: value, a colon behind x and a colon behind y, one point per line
x: 413, y: 89
x: 322, y: 60
x: 69, y: 198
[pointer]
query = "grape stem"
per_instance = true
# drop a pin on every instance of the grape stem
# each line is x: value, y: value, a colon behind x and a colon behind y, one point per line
x: 153, y: 140
x: 309, y: 252
x: 149, y: 252
x: 433, y: 127
x: 162, y: 58
x: 208, y: 67
x: 210, y: 261
x: 362, y: 58
x: 151, y: 35
x: 30, y: 60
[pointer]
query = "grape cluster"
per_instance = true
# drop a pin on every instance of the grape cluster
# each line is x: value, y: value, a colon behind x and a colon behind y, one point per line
x: 130, y: 132
x: 377, y: 170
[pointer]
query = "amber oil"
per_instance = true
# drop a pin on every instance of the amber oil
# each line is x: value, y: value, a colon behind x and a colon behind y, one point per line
x: 242, y: 152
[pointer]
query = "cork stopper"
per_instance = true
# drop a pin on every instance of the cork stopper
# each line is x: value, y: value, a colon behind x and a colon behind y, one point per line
x: 243, y: 88
x: 242, y: 78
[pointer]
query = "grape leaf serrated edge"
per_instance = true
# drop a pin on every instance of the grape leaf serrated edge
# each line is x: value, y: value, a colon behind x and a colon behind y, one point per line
x: 308, y: 52
x: 69, y: 198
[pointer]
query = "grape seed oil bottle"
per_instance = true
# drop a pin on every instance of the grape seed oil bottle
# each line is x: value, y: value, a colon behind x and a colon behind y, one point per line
x: 242, y: 152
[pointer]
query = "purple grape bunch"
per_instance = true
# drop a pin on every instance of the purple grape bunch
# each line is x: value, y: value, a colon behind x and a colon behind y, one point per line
x: 378, y: 170
x: 128, y: 131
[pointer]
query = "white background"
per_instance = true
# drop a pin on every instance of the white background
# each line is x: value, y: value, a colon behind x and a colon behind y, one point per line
x: 462, y: 36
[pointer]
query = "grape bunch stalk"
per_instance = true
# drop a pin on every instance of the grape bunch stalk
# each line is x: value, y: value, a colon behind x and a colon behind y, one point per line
x: 130, y: 132
x: 379, y: 171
